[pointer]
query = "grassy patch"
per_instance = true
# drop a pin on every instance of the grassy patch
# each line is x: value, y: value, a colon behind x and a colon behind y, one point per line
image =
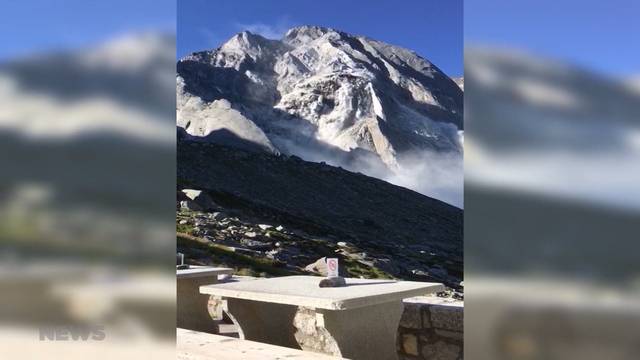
x: 225, y: 256
x: 355, y: 269
x: 184, y: 228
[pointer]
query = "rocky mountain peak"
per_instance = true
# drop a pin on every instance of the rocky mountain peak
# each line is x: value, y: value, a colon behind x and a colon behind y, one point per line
x: 305, y: 34
x: 326, y: 95
x: 245, y: 41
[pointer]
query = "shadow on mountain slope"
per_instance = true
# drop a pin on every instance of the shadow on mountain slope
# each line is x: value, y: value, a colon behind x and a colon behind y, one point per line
x: 409, y: 229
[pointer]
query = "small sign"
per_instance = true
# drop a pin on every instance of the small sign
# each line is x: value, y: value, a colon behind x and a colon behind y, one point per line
x: 332, y: 267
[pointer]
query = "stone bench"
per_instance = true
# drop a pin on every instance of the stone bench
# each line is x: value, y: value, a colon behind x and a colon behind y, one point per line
x: 193, y: 345
x: 430, y: 328
x: 358, y: 321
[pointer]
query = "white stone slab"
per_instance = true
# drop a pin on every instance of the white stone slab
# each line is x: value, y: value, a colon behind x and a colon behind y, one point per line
x: 193, y: 345
x: 197, y: 271
x: 304, y: 291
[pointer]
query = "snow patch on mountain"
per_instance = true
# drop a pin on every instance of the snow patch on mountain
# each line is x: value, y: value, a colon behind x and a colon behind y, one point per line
x: 460, y: 82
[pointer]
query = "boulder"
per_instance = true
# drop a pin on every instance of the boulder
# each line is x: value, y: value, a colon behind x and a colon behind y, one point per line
x: 190, y: 205
x: 181, y: 196
x: 333, y: 282
x: 201, y: 199
x: 320, y: 267
x: 255, y: 245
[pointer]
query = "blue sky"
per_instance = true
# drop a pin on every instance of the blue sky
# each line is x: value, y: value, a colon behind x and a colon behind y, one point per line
x: 40, y: 25
x: 433, y: 28
x: 599, y: 35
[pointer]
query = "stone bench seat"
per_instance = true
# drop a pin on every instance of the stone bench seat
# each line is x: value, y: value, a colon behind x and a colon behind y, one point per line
x: 193, y: 345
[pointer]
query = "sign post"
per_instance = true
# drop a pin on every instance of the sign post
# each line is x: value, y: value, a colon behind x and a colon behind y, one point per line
x: 332, y: 267
x: 333, y: 278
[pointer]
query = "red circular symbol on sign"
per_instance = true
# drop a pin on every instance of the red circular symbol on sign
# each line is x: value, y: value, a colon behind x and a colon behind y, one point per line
x: 332, y: 265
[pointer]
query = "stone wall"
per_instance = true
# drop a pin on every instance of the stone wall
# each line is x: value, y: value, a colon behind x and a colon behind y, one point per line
x: 431, y: 328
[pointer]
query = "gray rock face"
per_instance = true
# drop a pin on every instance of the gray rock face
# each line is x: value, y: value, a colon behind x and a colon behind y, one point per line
x: 324, y: 95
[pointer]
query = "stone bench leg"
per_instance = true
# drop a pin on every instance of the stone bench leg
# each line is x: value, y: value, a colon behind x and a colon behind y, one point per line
x: 359, y: 334
x: 192, y: 307
x: 263, y: 322
x: 363, y: 333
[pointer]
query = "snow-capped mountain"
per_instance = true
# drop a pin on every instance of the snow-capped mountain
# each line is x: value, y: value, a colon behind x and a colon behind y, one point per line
x: 326, y: 95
